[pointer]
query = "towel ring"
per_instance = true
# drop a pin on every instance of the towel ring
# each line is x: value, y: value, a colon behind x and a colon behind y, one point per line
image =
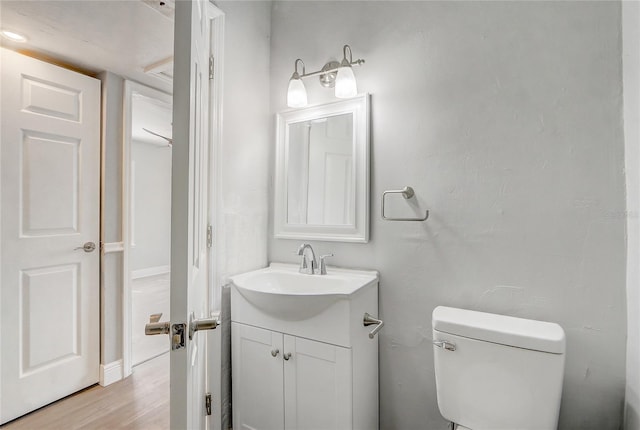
x: 407, y: 193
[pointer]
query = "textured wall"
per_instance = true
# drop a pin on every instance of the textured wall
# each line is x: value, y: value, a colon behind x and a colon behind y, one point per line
x: 246, y: 136
x: 506, y: 118
x: 631, y: 77
x: 242, y: 170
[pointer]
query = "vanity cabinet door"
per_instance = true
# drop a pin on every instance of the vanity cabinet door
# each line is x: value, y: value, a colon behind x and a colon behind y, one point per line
x: 317, y: 385
x: 258, y: 398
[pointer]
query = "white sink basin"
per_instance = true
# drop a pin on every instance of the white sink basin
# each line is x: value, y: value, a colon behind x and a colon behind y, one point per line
x: 280, y: 290
x: 313, y: 306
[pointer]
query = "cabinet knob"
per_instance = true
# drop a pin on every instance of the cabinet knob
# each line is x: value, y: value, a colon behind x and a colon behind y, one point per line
x: 275, y: 352
x: 287, y: 356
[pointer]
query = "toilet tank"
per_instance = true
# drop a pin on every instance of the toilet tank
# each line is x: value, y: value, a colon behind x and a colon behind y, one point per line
x: 497, y: 372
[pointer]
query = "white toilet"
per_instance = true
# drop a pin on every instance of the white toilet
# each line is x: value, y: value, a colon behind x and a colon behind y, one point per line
x: 497, y: 372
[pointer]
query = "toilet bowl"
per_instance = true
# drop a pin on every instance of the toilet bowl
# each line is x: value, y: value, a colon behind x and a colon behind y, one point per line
x: 497, y: 372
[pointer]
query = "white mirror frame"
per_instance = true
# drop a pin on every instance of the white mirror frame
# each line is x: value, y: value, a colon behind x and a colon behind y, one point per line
x: 359, y: 232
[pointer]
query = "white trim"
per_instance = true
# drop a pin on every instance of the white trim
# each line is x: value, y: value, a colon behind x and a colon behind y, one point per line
x: 130, y: 89
x: 159, y: 69
x: 150, y: 271
x: 132, y: 203
x: 110, y: 247
x: 215, y: 163
x: 111, y: 372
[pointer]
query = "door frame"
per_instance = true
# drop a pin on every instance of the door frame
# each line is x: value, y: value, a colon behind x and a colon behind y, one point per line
x: 217, y: 32
x: 215, y: 337
x: 131, y: 88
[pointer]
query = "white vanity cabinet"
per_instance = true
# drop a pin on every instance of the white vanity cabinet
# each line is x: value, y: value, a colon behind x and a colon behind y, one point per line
x: 310, y: 389
x: 258, y: 376
x: 302, y: 358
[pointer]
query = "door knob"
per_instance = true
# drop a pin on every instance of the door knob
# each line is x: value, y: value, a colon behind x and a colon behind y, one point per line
x: 87, y: 247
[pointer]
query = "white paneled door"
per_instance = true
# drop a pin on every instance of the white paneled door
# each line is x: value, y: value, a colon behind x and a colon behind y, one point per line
x: 189, y: 212
x: 49, y: 207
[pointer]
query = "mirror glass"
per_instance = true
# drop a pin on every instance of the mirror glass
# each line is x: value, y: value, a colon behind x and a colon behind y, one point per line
x: 322, y: 172
x: 320, y: 175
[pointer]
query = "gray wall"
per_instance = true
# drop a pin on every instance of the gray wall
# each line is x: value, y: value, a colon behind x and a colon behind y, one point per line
x: 242, y: 168
x: 631, y: 77
x: 111, y: 268
x: 506, y: 118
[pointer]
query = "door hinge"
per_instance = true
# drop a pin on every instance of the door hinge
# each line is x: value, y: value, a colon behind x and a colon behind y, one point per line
x: 209, y: 236
x: 207, y: 403
x: 211, y: 64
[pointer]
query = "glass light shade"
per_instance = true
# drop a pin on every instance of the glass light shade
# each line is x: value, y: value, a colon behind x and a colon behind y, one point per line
x: 346, y: 83
x: 296, y: 94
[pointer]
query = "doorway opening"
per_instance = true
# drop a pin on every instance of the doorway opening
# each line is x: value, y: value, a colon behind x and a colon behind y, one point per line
x: 147, y: 151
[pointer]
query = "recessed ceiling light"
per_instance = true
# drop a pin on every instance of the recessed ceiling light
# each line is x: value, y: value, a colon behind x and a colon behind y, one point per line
x: 12, y: 35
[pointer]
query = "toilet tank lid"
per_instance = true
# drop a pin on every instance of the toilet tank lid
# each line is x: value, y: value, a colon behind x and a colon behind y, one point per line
x: 511, y: 331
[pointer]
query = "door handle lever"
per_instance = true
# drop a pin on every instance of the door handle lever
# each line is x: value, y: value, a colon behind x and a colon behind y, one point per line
x: 176, y: 330
x: 87, y: 247
x: 203, y: 323
x: 155, y: 326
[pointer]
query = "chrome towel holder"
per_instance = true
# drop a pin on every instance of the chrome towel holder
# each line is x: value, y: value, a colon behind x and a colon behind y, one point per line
x: 369, y: 320
x: 407, y: 193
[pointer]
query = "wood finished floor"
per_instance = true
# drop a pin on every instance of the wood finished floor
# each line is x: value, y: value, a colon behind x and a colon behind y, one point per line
x: 138, y: 402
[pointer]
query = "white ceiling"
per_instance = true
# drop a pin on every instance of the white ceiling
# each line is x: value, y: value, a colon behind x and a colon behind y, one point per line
x: 123, y: 37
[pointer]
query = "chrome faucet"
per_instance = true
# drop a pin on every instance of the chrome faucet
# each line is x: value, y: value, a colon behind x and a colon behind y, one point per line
x: 308, y: 264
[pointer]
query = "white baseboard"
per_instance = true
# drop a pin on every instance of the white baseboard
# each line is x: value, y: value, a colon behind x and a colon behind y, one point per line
x: 150, y: 271
x: 111, y: 372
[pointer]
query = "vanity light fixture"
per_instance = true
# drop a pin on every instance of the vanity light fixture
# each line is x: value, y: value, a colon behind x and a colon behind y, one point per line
x: 333, y: 74
x: 346, y: 80
x: 12, y: 35
x: 297, y: 93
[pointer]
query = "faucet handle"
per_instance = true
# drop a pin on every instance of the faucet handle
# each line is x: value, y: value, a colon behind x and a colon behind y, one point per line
x: 322, y: 265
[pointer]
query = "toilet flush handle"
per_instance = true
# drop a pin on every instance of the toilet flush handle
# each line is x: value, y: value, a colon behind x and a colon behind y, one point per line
x: 449, y: 346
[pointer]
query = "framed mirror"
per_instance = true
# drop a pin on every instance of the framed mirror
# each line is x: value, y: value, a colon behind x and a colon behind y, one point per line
x: 322, y: 172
